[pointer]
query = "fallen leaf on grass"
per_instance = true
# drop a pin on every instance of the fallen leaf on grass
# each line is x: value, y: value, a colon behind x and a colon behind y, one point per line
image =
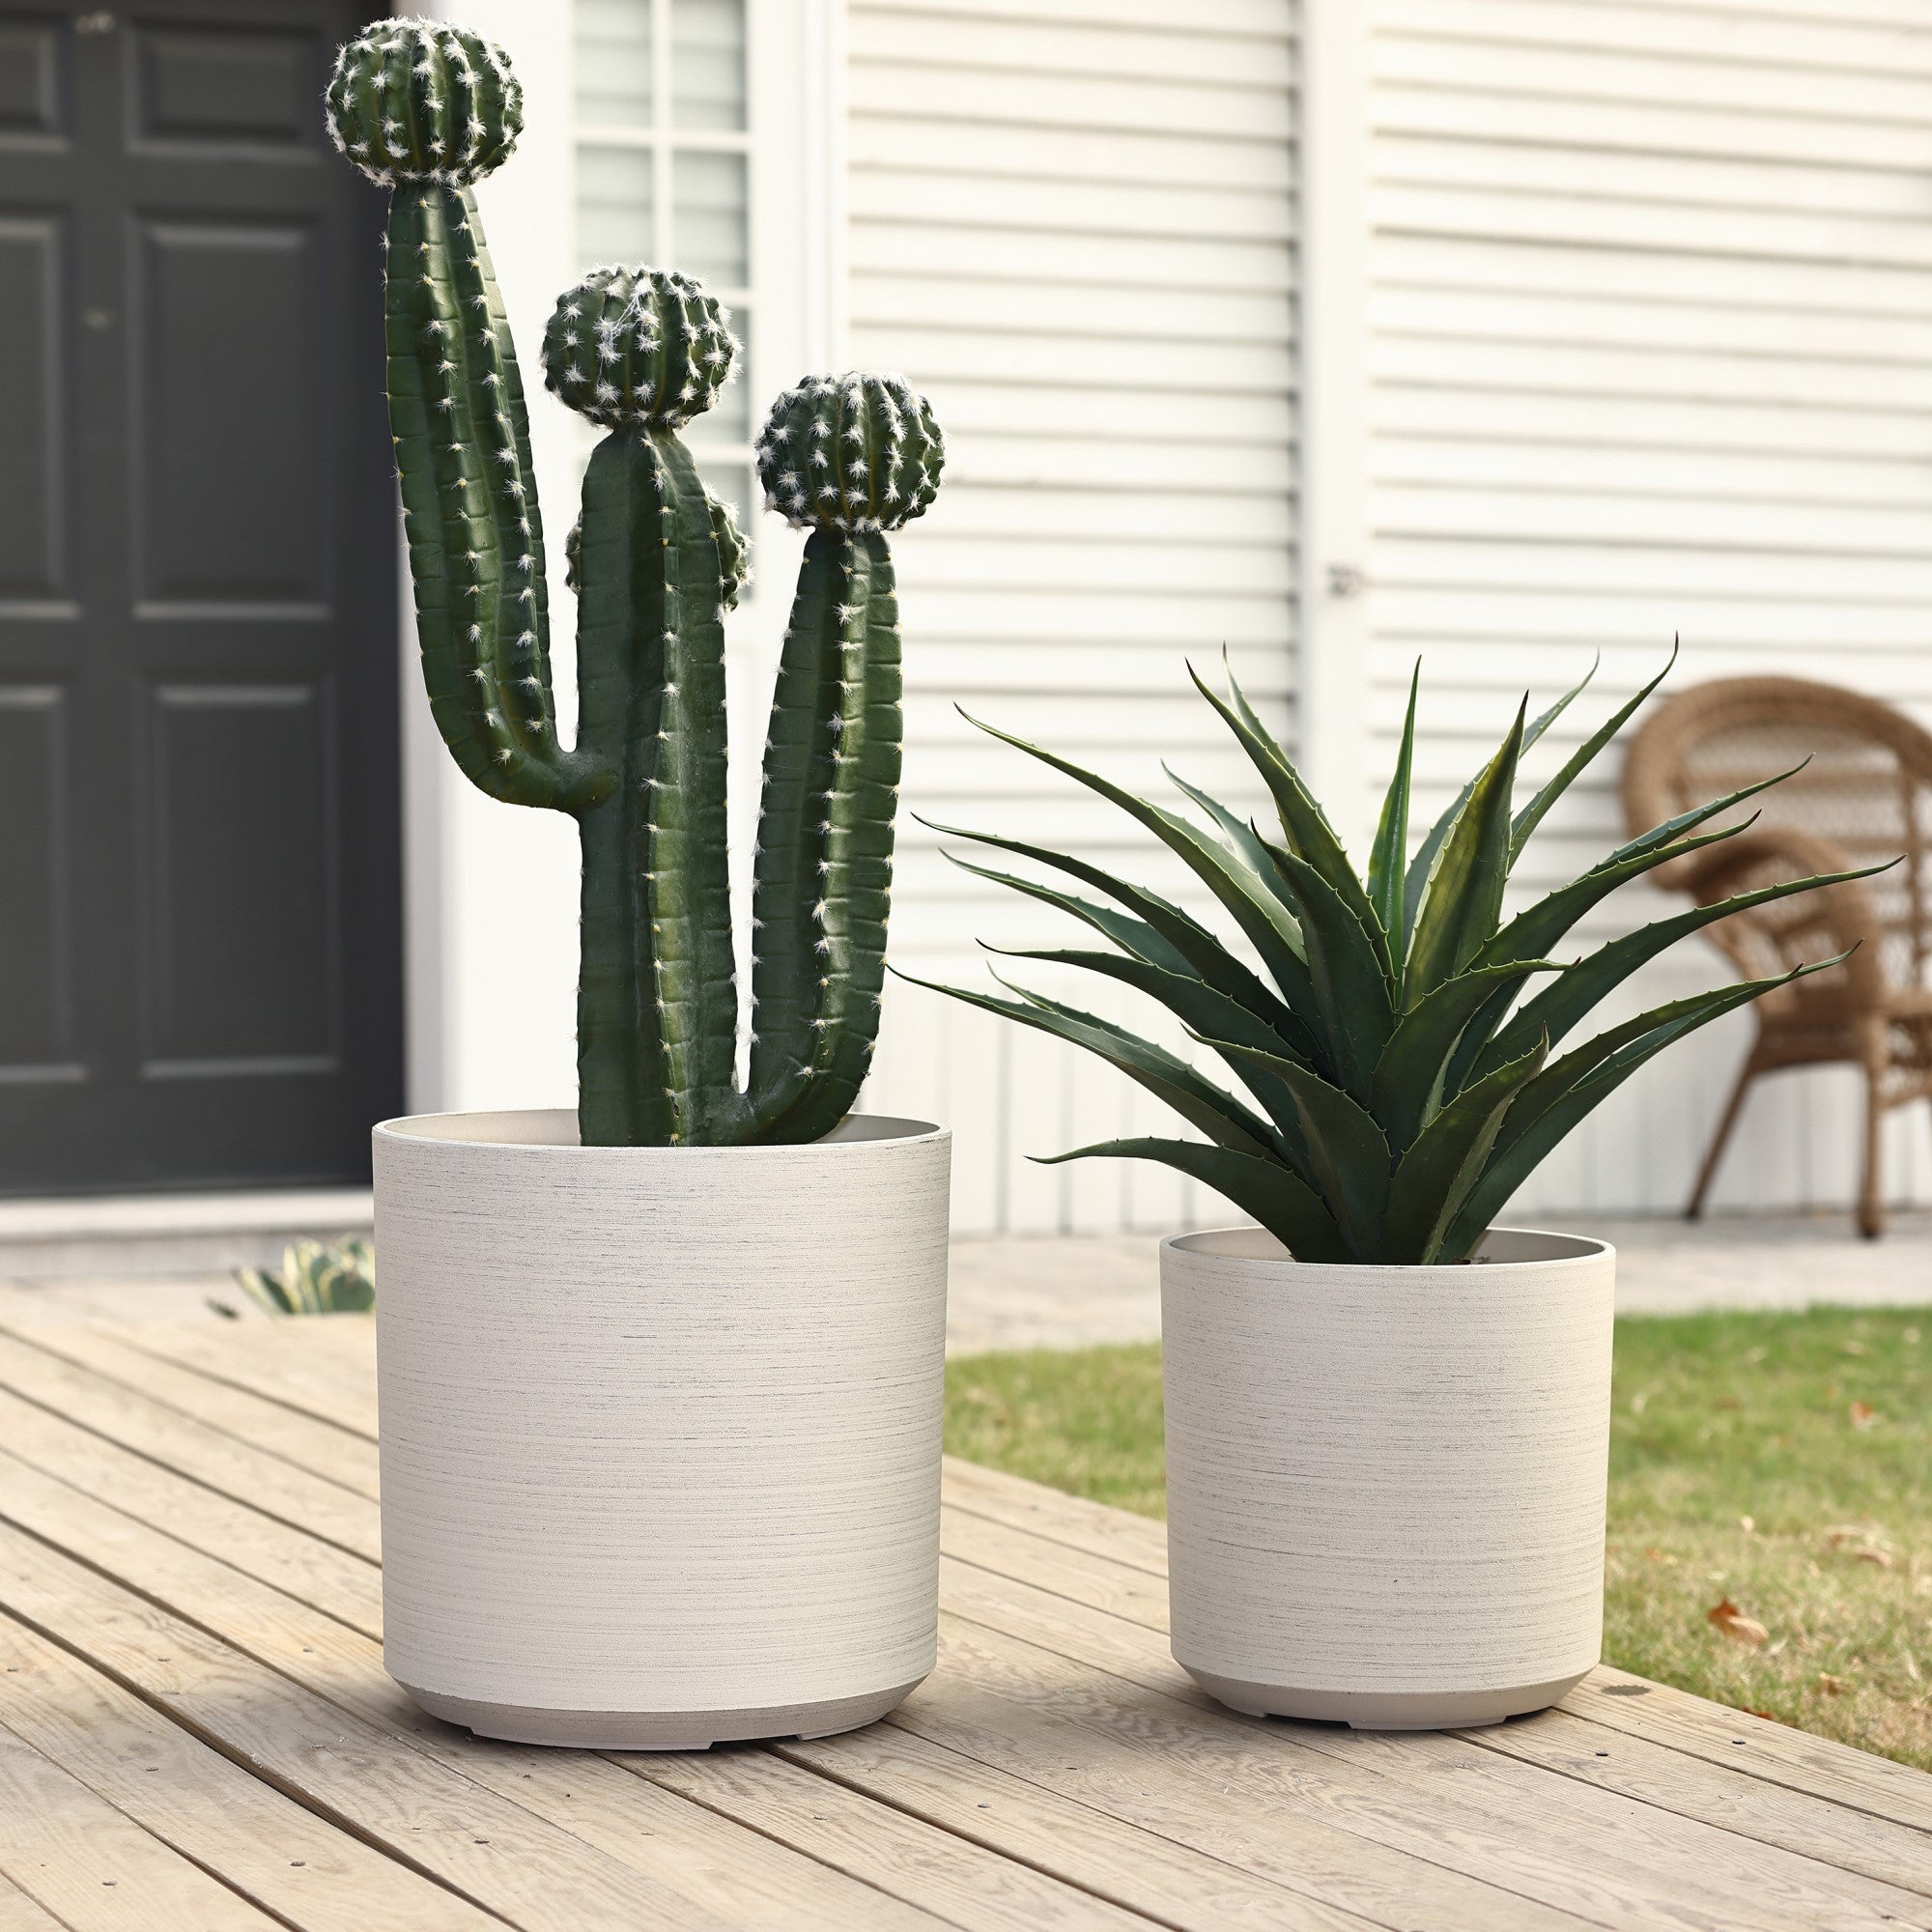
x: 1878, y: 1556
x: 1732, y: 1621
x: 1833, y: 1686
x: 1862, y: 1414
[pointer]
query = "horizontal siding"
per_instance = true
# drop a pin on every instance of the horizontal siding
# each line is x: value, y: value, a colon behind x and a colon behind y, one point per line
x: 1072, y: 225
x: 1651, y: 353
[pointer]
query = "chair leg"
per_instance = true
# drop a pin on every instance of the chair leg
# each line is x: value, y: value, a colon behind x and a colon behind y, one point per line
x: 1871, y: 1191
x: 1747, y: 1074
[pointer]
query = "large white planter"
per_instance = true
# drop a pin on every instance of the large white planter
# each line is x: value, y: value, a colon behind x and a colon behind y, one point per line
x: 1385, y: 1486
x: 660, y: 1428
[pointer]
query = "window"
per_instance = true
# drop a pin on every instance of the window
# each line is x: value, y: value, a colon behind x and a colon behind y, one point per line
x: 663, y: 177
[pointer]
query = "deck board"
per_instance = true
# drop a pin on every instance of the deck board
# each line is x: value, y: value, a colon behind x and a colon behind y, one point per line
x: 188, y: 1537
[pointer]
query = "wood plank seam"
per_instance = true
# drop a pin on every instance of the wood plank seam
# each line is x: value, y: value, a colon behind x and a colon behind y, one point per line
x: 1348, y: 1754
x: 147, y: 1831
x: 48, y: 1342
x: 348, y: 1826
x: 787, y: 1751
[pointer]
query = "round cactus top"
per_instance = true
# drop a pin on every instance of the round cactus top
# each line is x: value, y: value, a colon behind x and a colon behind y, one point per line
x: 419, y: 101
x: 856, y: 452
x: 643, y: 347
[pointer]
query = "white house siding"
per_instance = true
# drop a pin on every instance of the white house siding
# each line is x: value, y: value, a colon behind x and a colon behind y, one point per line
x: 1072, y: 224
x: 1650, y: 350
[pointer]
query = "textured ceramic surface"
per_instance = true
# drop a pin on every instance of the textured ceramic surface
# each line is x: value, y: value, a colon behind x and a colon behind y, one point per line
x: 660, y: 1426
x: 1385, y: 1486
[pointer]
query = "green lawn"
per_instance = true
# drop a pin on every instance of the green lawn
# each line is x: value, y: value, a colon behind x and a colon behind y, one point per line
x: 1781, y: 1463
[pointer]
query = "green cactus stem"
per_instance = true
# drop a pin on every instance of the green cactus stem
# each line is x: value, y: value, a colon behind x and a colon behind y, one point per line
x: 426, y: 110
x: 850, y: 459
x: 656, y: 999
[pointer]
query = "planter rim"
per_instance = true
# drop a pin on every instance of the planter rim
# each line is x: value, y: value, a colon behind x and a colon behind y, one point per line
x: 1253, y: 1248
x: 553, y: 1130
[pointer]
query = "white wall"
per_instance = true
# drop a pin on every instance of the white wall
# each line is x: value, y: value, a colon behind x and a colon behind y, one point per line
x: 1648, y: 352
x: 1073, y: 226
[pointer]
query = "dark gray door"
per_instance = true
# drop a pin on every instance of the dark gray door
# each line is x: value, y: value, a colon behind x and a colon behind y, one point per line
x: 200, y: 977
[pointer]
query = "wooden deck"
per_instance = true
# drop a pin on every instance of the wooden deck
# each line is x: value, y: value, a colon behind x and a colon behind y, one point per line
x: 196, y: 1731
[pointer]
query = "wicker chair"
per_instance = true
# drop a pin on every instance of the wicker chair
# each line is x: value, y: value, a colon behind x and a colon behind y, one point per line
x: 1865, y: 797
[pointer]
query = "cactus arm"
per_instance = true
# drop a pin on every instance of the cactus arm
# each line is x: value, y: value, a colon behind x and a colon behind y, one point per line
x: 787, y: 955
x: 624, y: 1095
x: 825, y: 894
x: 464, y: 488
x: 694, y: 983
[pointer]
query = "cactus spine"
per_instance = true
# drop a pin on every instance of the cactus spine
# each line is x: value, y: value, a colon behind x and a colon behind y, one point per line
x: 427, y: 109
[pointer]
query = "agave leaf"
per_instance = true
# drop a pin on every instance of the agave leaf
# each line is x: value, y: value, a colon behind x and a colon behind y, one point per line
x: 1303, y: 823
x: 1348, y: 1157
x: 1462, y: 901
x: 1557, y: 1009
x: 1198, y: 947
x: 1698, y: 814
x: 1420, y: 865
x: 1351, y: 985
x: 1130, y: 934
x: 1531, y: 815
x: 1550, y: 1106
x: 1270, y: 929
x: 1248, y: 845
x: 1446, y: 1161
x: 1410, y: 1074
x: 1287, y: 1206
x: 1197, y: 1100
x: 1207, y: 1014
x: 1385, y: 857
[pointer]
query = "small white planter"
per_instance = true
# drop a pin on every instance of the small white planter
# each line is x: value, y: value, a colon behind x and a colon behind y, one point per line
x: 1385, y: 1486
x: 660, y: 1428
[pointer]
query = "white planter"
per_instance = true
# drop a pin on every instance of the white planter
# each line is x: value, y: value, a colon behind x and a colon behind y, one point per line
x: 1385, y: 1486
x: 660, y: 1428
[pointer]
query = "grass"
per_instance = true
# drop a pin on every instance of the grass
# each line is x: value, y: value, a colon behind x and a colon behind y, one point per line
x: 1777, y: 1463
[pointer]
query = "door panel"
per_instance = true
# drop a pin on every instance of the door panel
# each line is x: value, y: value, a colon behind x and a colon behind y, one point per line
x: 229, y: 313
x: 30, y: 402
x: 200, y: 974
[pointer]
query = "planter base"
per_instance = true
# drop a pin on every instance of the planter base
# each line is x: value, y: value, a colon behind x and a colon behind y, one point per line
x: 1386, y: 1710
x: 660, y: 1730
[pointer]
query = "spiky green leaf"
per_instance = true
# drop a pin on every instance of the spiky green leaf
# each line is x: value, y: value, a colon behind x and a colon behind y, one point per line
x: 1385, y: 857
x: 1532, y: 815
x: 1207, y: 1015
x: 1419, y: 867
x: 1198, y: 1101
x: 1348, y: 1155
x: 1291, y: 1211
x: 1186, y: 935
x: 1461, y: 899
x: 1436, y: 1174
x: 1346, y: 970
x: 1551, y: 1105
x: 1270, y: 928
x: 1410, y: 1071
x: 1559, y: 1007
x: 1304, y: 825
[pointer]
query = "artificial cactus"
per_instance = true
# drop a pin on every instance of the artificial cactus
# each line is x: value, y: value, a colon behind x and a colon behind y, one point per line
x: 426, y: 110
x: 849, y: 459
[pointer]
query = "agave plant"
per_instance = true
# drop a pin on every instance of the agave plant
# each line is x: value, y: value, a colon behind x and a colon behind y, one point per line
x: 1401, y: 1071
x: 316, y: 1279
